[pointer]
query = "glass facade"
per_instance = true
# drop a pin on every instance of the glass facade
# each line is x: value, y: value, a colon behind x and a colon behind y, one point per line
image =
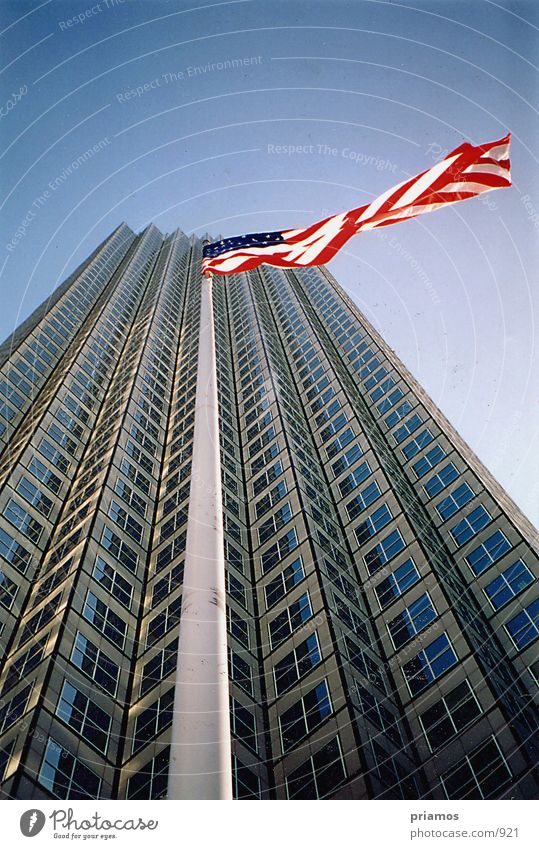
x: 382, y: 608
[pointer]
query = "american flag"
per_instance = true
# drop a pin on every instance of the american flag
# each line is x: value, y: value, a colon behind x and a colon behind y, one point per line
x: 465, y: 173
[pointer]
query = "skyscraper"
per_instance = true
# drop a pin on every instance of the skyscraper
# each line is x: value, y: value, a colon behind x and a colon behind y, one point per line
x: 381, y: 600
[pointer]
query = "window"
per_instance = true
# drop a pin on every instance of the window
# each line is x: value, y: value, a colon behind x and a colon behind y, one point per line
x: 298, y: 663
x: 274, y: 523
x: 243, y: 725
x: 454, y: 501
x: 377, y: 713
x: 480, y: 775
x: 347, y: 459
x: 134, y: 475
x: 417, y: 444
x: 62, y: 438
x: 84, y: 716
x: 164, y: 621
x: 333, y: 427
x: 105, y: 620
x: 321, y: 774
x: 125, y: 521
x: 271, y: 498
x: 21, y: 668
x: 45, y: 475
x: 304, y: 716
x: 153, y: 720
x: 35, y: 497
x: 450, y: 715
x: 55, y: 457
x: 22, y: 520
x: 363, y: 499
x: 471, y: 525
x: 488, y: 552
x: 283, y: 582
x: 159, y: 667
x: 412, y: 620
x: 133, y: 451
x: 119, y: 549
x: 429, y: 664
x: 436, y: 483
x: 246, y: 783
x: 397, y: 583
x: 334, y: 447
x: 398, y: 414
x: 293, y: 617
x: 150, y: 782
x: 14, y: 552
x: 384, y: 551
x: 350, y: 618
x: 8, y: 590
x: 426, y: 463
x: 95, y: 664
x: 329, y: 411
x: 354, y: 479
x: 267, y: 477
x: 393, y: 773
x: 279, y: 550
x: 130, y: 497
x: 402, y: 432
x: 113, y: 582
x: 69, y: 422
x: 372, y: 381
x: 5, y: 757
x: 11, y: 711
x: 63, y: 775
x: 524, y: 627
x: 41, y: 618
x: 241, y: 673
x: 372, y: 524
x: 509, y: 584
x: 236, y: 589
x: 238, y: 627
x: 392, y: 399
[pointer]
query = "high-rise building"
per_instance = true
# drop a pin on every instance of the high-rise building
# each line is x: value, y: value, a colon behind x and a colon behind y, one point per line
x: 382, y: 604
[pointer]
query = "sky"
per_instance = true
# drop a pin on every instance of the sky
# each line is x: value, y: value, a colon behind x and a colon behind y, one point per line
x: 234, y: 117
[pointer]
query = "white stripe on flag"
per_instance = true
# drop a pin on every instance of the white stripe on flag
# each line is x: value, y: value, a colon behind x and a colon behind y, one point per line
x: 425, y: 181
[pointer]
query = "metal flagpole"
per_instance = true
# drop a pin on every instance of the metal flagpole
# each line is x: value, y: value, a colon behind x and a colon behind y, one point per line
x: 200, y: 756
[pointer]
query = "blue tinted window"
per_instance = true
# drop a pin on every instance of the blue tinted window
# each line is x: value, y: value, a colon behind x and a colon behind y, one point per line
x: 398, y: 414
x: 488, y: 552
x: 384, y: 551
x: 422, y: 466
x: 472, y: 524
x: 415, y: 445
x: 412, y: 424
x: 509, y: 584
x: 412, y: 620
x: 397, y: 583
x: 429, y: 664
x: 524, y: 627
x: 438, y: 482
x: 452, y: 503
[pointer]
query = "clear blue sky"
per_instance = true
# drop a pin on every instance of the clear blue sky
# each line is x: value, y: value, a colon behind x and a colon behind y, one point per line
x: 370, y: 91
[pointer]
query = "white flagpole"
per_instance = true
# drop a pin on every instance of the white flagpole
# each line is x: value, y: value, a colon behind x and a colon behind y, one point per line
x: 200, y: 755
